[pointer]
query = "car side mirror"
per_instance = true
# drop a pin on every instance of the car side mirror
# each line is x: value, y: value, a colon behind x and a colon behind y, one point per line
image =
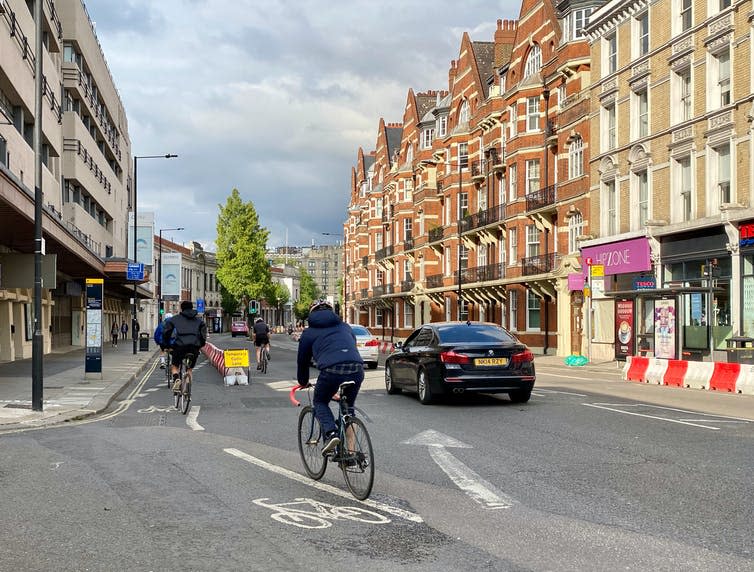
x: 398, y: 345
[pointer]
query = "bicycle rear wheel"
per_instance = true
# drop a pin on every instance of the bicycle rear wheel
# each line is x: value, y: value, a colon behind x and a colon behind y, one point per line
x: 357, y: 460
x: 310, y: 443
x: 186, y: 394
x: 263, y: 361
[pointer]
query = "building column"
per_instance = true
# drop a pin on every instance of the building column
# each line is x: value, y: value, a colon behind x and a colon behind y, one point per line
x: 563, y: 311
x: 735, y: 278
x: 7, y: 350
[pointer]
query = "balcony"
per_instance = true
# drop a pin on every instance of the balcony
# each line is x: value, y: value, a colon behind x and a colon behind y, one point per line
x: 378, y: 290
x: 365, y: 261
x: 364, y: 293
x: 496, y: 158
x: 435, y: 280
x: 544, y: 197
x: 384, y: 253
x: 480, y: 219
x: 407, y: 285
x: 435, y: 234
x: 478, y: 170
x: 486, y: 273
x: 541, y: 264
x: 408, y: 244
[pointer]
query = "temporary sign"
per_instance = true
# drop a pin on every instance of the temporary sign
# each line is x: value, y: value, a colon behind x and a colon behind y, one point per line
x: 93, y: 355
x: 236, y: 358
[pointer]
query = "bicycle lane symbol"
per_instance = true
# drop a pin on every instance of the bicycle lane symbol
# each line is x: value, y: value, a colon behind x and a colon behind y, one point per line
x: 319, y: 514
x: 155, y: 409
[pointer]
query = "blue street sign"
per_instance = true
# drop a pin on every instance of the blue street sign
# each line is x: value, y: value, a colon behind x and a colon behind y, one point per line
x: 135, y: 271
x: 200, y: 305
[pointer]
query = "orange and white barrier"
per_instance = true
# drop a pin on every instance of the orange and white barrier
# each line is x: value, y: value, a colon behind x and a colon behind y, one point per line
x: 712, y: 376
x: 231, y: 375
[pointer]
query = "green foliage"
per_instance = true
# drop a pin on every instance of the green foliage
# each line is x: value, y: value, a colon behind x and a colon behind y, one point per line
x: 277, y: 294
x: 228, y: 302
x: 308, y: 292
x: 241, y: 246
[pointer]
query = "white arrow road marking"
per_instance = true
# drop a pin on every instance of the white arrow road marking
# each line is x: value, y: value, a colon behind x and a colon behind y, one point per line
x: 191, y: 419
x: 463, y: 477
x: 399, y: 512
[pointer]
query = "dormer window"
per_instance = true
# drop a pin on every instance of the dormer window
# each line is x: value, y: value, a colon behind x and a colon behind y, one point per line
x: 463, y: 114
x: 533, y: 62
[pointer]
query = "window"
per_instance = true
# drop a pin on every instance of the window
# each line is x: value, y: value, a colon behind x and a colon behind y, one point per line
x: 683, y: 208
x: 481, y: 199
x: 723, y: 77
x: 532, y: 175
x: 532, y: 241
x: 610, y: 222
x: 724, y: 4
x: 463, y: 310
x: 463, y: 205
x: 407, y: 228
x: 447, y: 259
x: 513, y: 309
x: 533, y: 62
x: 378, y: 316
x: 377, y: 241
x: 532, y: 113
x: 641, y: 109
x: 407, y: 267
x: 442, y: 126
x: 514, y: 119
x: 512, y: 182
x: 686, y: 14
x: 463, y: 114
x: 481, y: 255
x: 463, y: 155
x: 576, y: 158
x: 501, y: 248
x: 682, y: 108
x: 448, y: 309
x: 561, y: 95
x: 641, y: 191
x: 512, y: 245
x: 611, y: 51
x: 723, y: 174
x: 575, y: 230
x: 408, y: 315
x: 428, y: 136
x: 532, y: 311
x: 580, y: 21
x: 463, y: 257
x: 609, y: 127
x: 642, y: 34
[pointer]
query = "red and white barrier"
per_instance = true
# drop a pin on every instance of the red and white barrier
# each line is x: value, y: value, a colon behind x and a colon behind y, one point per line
x: 231, y: 376
x: 713, y: 376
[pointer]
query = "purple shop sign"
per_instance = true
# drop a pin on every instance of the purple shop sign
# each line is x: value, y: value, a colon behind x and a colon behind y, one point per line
x: 620, y: 257
x: 575, y: 281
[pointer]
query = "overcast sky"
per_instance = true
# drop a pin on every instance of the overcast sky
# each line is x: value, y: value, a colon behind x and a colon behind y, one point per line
x: 271, y: 97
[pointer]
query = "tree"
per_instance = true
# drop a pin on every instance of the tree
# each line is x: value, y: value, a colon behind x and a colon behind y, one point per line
x: 241, y: 245
x: 308, y: 292
x: 277, y: 295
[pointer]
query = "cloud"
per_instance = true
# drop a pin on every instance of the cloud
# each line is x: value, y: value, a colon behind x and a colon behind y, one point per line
x: 273, y: 98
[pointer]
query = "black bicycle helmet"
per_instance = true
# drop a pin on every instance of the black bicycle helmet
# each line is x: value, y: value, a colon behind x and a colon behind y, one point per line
x: 320, y: 304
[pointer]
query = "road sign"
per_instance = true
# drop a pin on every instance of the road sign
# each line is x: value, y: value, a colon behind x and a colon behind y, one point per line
x: 200, y: 305
x: 236, y: 358
x: 135, y: 271
x: 588, y: 261
x: 598, y: 270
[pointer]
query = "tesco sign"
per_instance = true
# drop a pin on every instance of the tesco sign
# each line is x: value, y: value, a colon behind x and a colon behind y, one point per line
x: 747, y: 234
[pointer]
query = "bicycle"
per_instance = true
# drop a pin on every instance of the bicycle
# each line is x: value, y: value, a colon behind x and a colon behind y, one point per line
x: 168, y: 362
x: 183, y: 395
x: 264, y: 357
x: 354, y: 455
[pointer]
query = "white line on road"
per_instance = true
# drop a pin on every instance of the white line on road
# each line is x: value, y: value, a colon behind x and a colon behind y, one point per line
x: 152, y: 389
x: 561, y: 392
x: 191, y: 419
x: 404, y: 514
x: 716, y: 416
x: 650, y: 416
x: 548, y: 374
x: 468, y: 481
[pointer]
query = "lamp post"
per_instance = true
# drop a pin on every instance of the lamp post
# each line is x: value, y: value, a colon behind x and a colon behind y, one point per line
x: 460, y: 242
x: 159, y: 272
x: 136, y: 222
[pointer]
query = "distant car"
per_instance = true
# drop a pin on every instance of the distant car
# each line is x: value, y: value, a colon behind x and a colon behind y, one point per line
x: 368, y: 345
x: 239, y: 328
x: 445, y: 358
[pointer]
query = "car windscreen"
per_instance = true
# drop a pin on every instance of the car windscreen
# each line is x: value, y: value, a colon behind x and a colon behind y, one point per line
x: 360, y: 331
x: 473, y: 333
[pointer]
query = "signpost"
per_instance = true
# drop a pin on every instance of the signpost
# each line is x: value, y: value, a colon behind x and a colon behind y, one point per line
x: 135, y: 272
x: 93, y: 355
x: 200, y: 305
x: 236, y: 360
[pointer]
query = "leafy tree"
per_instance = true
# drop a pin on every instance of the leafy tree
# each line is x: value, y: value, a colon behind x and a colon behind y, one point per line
x: 308, y: 292
x: 277, y: 295
x: 228, y: 302
x: 241, y: 245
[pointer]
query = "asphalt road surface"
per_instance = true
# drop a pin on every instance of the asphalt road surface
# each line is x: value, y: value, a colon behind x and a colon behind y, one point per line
x: 569, y: 481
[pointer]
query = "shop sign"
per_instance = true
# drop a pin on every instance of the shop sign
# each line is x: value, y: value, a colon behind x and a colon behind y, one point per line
x: 747, y: 234
x: 624, y: 329
x: 621, y: 257
x: 575, y: 281
x: 645, y: 283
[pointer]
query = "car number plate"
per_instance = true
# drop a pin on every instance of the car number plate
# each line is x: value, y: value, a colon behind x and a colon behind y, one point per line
x: 491, y: 361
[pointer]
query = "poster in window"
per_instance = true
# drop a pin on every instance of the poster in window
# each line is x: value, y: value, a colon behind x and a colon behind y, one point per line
x: 665, y: 329
x: 624, y: 324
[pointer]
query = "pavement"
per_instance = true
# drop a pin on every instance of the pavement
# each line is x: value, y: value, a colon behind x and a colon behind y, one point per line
x: 67, y: 392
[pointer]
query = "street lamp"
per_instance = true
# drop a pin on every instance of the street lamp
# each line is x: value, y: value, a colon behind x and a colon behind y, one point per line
x: 159, y: 271
x: 133, y: 309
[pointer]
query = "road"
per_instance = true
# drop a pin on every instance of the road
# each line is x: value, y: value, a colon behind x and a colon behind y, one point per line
x: 570, y: 481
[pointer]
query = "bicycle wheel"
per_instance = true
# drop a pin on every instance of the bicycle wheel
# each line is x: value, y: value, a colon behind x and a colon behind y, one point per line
x: 186, y: 394
x: 357, y: 461
x: 263, y: 361
x: 310, y: 443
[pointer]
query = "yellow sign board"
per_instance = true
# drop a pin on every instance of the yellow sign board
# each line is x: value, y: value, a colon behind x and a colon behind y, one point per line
x: 598, y: 269
x: 95, y: 280
x: 236, y: 358
x: 587, y: 291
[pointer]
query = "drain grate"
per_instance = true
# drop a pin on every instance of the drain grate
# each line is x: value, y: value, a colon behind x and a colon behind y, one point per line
x: 18, y: 406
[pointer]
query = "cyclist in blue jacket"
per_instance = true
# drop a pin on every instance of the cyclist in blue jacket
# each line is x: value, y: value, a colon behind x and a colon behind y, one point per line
x: 332, y: 344
x: 158, y: 338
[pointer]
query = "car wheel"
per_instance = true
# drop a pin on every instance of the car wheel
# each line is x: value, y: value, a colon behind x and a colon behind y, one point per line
x: 372, y: 365
x: 520, y: 395
x: 422, y: 387
x: 389, y: 387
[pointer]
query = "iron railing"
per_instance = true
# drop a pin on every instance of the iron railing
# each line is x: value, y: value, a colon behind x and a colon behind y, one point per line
x: 486, y: 273
x: 435, y: 280
x: 481, y: 219
x: 541, y: 264
x: 542, y: 198
x: 435, y: 234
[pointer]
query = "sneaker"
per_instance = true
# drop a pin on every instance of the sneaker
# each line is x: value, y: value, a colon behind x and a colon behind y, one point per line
x: 162, y: 366
x: 176, y: 384
x: 259, y: 367
x: 331, y: 442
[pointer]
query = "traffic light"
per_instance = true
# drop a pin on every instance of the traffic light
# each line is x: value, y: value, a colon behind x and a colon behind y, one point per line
x: 162, y: 311
x: 253, y: 306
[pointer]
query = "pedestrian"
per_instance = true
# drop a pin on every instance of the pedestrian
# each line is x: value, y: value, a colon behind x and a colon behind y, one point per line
x: 123, y: 330
x: 114, y: 335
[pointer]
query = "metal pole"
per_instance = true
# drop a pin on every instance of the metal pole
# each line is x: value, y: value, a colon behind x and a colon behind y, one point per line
x: 545, y: 299
x: 159, y: 281
x: 37, y: 340
x: 460, y: 277
x: 133, y: 321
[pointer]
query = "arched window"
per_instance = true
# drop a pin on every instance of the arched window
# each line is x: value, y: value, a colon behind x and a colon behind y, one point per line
x: 533, y: 62
x: 576, y: 158
x: 463, y: 114
x: 575, y: 229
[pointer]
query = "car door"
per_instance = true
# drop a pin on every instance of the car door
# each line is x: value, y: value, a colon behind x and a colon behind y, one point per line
x: 399, y: 361
x: 420, y: 352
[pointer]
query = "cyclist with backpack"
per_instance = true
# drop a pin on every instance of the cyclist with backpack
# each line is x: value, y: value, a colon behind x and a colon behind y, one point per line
x: 185, y: 334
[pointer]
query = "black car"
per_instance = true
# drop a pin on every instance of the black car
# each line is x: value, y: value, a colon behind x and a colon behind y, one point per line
x: 443, y: 358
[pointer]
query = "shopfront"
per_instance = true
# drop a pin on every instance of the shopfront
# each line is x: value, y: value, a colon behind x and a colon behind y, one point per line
x: 746, y: 250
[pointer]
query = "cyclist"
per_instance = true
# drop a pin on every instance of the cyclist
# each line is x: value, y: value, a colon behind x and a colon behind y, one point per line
x: 184, y: 333
x: 332, y: 344
x: 261, y: 333
x: 158, y: 337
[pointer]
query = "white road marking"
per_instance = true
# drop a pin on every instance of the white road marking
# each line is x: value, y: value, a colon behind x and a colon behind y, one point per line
x: 462, y: 476
x: 548, y: 374
x: 150, y: 390
x: 597, y: 406
x: 561, y: 392
x: 284, y: 385
x: 191, y: 419
x: 156, y: 409
x: 399, y: 512
x: 649, y: 405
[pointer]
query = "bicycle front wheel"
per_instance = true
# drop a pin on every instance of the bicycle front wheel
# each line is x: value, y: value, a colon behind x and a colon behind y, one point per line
x: 357, y: 461
x: 310, y: 443
x: 186, y: 395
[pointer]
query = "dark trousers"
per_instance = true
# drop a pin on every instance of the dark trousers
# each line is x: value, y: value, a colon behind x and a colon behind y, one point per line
x: 327, y: 386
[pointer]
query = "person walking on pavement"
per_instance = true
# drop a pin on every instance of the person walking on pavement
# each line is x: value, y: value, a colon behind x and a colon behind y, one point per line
x: 114, y: 335
x: 332, y: 344
x: 123, y: 330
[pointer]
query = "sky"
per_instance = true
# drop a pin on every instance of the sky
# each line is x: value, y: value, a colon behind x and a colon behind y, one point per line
x: 272, y: 97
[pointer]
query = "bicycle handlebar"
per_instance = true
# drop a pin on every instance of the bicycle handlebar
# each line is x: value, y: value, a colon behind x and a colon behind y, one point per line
x: 292, y: 396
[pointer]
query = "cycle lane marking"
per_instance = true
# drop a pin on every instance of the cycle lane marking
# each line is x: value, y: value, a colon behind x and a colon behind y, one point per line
x: 656, y: 417
x: 395, y: 511
x: 191, y: 419
x: 320, y: 515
